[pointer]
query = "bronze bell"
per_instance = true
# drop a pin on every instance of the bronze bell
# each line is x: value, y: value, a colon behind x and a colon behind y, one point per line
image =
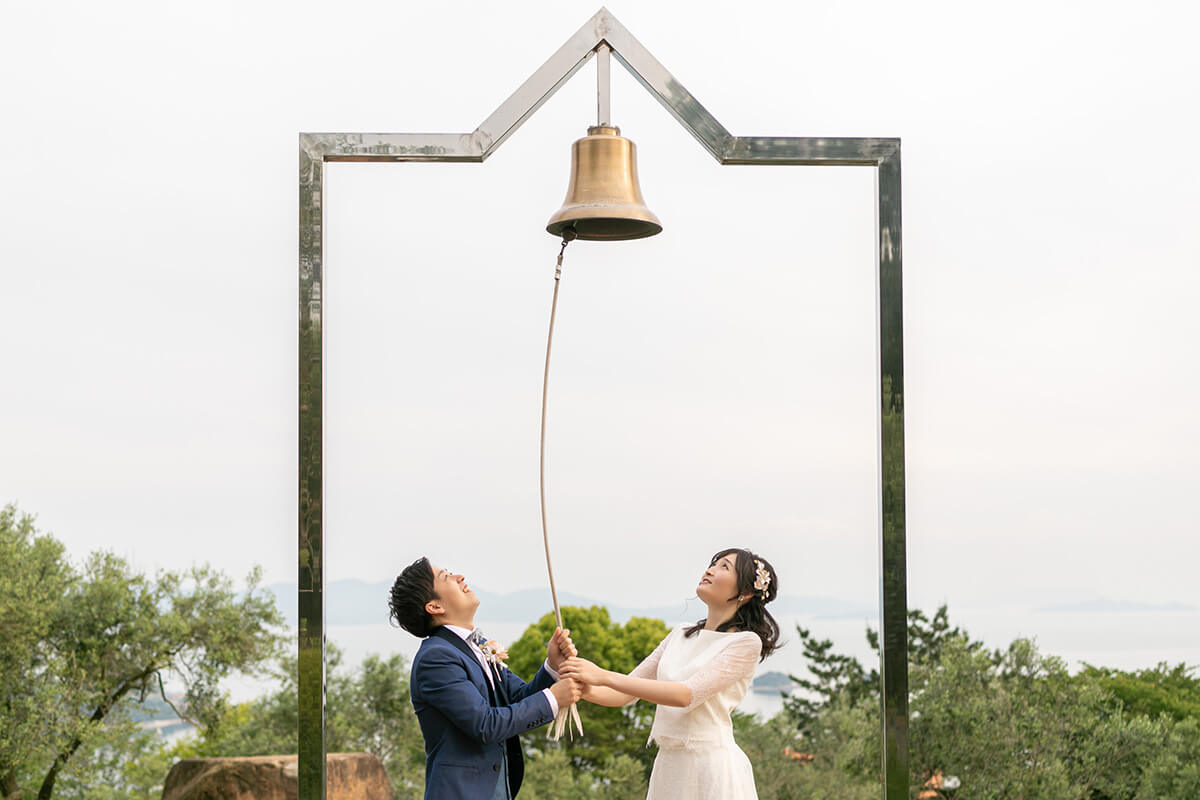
x: 604, y: 202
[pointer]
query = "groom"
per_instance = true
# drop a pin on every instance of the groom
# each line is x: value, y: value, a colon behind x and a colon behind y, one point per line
x: 469, y: 705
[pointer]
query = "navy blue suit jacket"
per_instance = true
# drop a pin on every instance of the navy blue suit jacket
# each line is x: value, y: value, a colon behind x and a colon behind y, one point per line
x: 468, y: 727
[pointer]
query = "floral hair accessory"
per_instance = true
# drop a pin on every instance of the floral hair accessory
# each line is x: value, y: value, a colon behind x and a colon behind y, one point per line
x: 762, y: 579
x: 494, y: 653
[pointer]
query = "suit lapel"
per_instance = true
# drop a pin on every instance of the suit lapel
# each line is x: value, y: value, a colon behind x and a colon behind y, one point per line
x: 465, y: 649
x: 501, y: 689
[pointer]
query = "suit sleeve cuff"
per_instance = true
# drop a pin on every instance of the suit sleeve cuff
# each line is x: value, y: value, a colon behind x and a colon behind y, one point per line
x: 553, y: 703
x: 546, y: 666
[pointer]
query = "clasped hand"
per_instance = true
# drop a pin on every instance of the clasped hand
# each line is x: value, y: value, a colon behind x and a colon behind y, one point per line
x: 583, y: 671
x: 582, y: 675
x: 559, y: 650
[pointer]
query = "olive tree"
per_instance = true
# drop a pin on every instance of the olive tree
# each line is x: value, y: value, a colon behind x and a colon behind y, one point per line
x: 81, y: 645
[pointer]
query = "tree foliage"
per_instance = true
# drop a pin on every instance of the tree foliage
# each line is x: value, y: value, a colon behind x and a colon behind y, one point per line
x: 80, y: 646
x: 1010, y: 724
x: 1007, y: 724
x: 834, y: 676
x: 608, y: 732
x: 1174, y: 771
x: 368, y: 709
x: 1174, y: 691
x: 552, y: 775
x: 780, y: 755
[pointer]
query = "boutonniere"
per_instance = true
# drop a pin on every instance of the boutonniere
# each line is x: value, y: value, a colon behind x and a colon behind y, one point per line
x: 494, y: 653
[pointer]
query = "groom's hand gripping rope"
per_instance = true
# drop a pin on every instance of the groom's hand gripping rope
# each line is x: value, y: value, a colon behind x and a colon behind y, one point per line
x: 560, y: 648
x: 566, y: 692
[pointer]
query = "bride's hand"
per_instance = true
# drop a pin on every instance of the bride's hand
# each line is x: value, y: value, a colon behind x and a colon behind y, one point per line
x: 588, y: 693
x: 583, y: 671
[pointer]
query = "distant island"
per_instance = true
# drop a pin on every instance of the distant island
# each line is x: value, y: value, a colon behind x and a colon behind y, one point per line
x: 772, y: 683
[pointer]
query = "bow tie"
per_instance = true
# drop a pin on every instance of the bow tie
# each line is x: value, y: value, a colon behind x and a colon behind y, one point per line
x: 477, y: 638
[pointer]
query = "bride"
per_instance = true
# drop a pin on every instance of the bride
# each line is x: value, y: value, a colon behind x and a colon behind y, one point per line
x: 697, y: 676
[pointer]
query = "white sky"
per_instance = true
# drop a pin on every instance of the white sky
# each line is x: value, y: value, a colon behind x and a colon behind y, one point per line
x: 711, y: 386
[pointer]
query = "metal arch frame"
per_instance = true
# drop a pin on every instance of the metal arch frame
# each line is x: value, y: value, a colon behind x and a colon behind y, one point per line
x: 318, y: 149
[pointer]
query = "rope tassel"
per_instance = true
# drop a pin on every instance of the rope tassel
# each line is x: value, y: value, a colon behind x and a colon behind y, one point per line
x: 570, y: 714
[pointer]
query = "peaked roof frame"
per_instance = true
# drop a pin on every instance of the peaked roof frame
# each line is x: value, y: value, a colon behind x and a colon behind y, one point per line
x: 318, y: 149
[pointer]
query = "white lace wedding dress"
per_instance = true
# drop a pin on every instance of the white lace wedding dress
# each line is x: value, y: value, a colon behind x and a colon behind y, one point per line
x: 698, y: 758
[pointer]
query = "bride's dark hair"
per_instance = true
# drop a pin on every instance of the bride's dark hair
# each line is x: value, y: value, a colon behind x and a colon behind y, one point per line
x: 752, y: 615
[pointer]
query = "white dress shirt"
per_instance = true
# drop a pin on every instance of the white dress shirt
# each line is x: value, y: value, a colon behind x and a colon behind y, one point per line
x: 463, y: 633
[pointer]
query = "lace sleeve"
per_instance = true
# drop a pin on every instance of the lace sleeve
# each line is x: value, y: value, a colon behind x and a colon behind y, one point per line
x: 649, y: 666
x: 732, y: 664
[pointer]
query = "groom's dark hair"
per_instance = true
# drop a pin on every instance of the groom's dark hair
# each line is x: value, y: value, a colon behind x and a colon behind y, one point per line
x: 411, y: 591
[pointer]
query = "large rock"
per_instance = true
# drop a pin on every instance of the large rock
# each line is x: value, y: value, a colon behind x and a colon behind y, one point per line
x: 348, y: 776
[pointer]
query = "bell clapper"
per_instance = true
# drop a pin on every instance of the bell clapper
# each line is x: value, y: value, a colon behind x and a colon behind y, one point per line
x: 568, y: 236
